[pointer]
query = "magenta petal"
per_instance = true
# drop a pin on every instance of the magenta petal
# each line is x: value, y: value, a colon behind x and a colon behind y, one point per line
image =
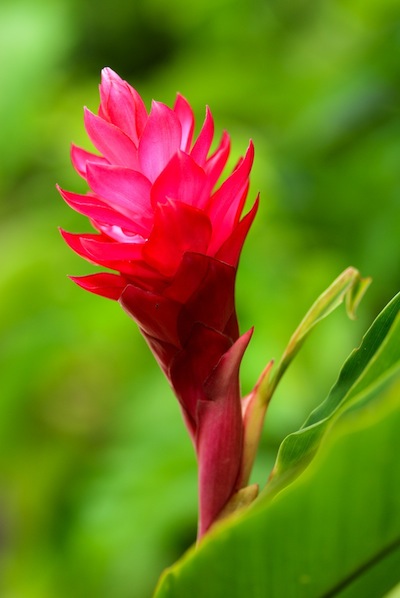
x: 107, y: 254
x: 121, y: 104
x: 203, y: 142
x: 160, y: 140
x: 228, y: 196
x: 110, y: 141
x: 216, y: 163
x: 155, y: 314
x: 219, y: 438
x: 124, y: 189
x: 140, y: 112
x: 104, y: 284
x: 108, y: 79
x: 177, y: 228
x: 183, y: 180
x: 80, y: 158
x: 111, y: 251
x: 185, y: 114
x: 227, y: 202
x: 93, y: 208
x: 230, y: 251
x: 74, y: 241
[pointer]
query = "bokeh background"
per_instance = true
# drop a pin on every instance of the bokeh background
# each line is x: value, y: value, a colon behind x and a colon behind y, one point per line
x: 97, y: 476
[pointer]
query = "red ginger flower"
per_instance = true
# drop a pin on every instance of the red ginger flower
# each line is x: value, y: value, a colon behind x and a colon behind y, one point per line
x: 174, y: 241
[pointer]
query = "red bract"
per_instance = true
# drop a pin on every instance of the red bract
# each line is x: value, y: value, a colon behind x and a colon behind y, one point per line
x: 173, y: 237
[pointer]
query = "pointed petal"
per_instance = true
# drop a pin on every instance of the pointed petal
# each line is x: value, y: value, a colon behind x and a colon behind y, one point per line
x: 182, y: 179
x: 124, y: 189
x: 203, y: 142
x: 185, y: 114
x: 80, y: 158
x: 216, y: 163
x: 228, y: 196
x: 227, y: 202
x: 160, y: 140
x: 103, y: 254
x: 141, y: 113
x: 74, y: 241
x: 104, y: 284
x: 118, y: 234
x: 111, y: 251
x: 121, y: 105
x: 93, y: 208
x: 177, y: 228
x: 219, y: 436
x: 230, y: 251
x: 110, y: 141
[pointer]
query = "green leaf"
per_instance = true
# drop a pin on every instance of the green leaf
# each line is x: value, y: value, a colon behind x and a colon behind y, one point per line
x: 367, y: 367
x: 348, y: 287
x: 335, y: 531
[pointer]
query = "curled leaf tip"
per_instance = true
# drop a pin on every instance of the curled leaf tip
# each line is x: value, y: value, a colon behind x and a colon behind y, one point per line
x: 355, y: 294
x: 348, y: 288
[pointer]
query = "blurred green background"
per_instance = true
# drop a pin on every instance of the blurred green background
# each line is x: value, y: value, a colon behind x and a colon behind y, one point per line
x: 97, y: 476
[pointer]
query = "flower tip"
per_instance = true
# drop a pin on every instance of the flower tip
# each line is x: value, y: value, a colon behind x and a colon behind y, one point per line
x: 248, y: 335
x: 87, y: 115
x: 250, y: 148
x: 77, y: 280
x: 61, y: 191
x: 155, y: 106
x: 63, y: 233
x: 159, y: 108
x: 107, y: 73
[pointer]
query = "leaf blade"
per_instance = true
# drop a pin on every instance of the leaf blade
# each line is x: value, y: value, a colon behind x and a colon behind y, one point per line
x: 333, y: 530
x: 379, y: 351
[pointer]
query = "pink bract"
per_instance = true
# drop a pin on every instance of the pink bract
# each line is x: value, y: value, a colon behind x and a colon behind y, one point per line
x: 172, y: 236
